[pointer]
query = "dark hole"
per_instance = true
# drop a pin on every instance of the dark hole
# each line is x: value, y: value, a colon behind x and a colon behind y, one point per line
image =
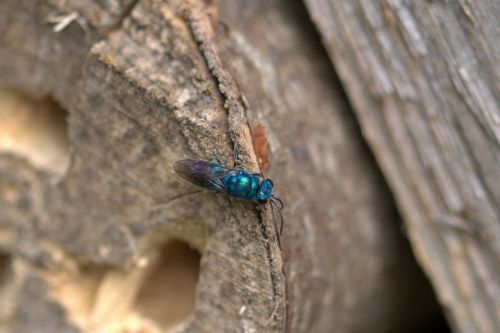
x: 435, y: 324
x: 168, y: 294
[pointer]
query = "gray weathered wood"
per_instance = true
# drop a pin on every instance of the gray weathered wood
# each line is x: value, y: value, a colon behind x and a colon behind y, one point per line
x: 147, y: 83
x: 423, y: 77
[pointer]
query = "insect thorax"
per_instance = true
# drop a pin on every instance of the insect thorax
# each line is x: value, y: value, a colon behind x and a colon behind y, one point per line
x: 242, y: 185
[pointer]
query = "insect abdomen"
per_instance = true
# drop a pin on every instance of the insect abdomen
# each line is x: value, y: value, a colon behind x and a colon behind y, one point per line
x: 242, y: 185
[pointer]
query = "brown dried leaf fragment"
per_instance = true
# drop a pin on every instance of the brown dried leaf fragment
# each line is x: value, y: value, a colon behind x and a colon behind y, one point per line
x: 261, y: 146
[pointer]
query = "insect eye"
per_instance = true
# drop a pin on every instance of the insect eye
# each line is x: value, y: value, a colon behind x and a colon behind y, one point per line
x: 262, y: 201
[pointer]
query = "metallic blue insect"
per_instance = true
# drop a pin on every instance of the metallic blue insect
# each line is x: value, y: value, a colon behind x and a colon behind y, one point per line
x: 234, y: 182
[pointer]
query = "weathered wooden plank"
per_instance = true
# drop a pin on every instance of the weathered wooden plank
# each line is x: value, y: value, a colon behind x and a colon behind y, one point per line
x: 142, y: 99
x: 156, y: 81
x: 423, y: 79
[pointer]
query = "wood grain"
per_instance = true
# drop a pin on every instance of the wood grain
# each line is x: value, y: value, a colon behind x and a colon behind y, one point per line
x: 423, y: 80
x: 151, y: 82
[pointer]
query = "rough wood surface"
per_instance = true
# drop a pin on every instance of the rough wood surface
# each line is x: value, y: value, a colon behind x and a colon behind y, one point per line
x: 423, y: 78
x: 145, y: 84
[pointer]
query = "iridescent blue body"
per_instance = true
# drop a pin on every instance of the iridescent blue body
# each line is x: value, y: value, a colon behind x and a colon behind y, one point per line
x: 233, y: 181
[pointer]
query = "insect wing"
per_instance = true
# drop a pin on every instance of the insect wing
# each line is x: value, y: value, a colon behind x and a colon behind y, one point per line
x: 195, y: 171
x: 202, y: 173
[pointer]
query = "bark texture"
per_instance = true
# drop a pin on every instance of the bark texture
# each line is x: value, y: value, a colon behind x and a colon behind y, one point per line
x: 423, y: 79
x: 87, y: 234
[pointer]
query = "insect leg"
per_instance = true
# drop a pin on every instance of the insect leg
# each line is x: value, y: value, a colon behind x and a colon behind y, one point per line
x: 276, y: 202
x: 217, y: 157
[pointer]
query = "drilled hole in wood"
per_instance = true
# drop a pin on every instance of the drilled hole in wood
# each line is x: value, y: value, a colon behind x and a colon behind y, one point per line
x: 152, y: 296
x: 35, y: 129
x: 168, y: 293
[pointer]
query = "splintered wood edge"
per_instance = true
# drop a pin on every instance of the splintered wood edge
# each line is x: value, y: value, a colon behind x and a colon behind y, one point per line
x: 239, y: 128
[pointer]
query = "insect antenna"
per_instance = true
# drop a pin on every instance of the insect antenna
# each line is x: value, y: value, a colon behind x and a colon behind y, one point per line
x: 276, y: 202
